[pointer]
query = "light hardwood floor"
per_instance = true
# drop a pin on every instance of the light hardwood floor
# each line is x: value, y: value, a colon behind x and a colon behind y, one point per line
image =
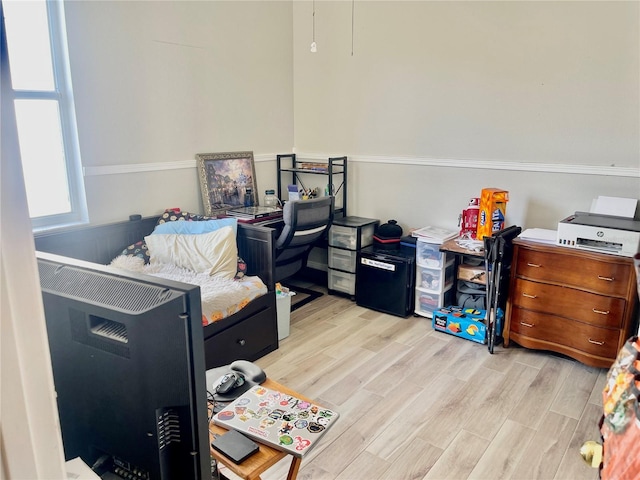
x: 420, y: 404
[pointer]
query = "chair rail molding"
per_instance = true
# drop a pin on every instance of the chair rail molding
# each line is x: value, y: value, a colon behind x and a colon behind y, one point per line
x: 484, y: 164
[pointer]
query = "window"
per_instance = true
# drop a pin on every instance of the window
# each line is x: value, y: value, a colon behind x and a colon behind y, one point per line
x: 45, y: 115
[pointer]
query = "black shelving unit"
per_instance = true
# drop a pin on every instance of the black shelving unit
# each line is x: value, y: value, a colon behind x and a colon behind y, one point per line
x: 336, y: 170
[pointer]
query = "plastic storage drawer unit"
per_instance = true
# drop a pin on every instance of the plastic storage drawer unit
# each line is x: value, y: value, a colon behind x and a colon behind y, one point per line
x: 427, y: 302
x: 353, y: 237
x: 429, y: 255
x: 435, y: 272
x: 344, y: 260
x: 434, y: 278
x: 347, y: 236
x: 342, y: 282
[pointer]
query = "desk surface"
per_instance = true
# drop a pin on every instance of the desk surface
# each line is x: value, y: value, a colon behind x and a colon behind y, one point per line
x: 266, y: 457
x: 453, y: 247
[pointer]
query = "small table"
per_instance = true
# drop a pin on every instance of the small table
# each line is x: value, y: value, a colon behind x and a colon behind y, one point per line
x: 453, y: 247
x: 266, y: 456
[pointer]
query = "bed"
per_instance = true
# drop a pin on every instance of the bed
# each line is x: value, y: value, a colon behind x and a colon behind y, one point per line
x: 246, y: 331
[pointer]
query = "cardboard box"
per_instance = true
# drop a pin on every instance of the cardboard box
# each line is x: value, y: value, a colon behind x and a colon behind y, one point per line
x: 467, y: 323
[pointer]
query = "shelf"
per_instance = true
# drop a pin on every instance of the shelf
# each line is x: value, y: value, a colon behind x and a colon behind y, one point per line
x: 311, y: 172
x: 288, y: 165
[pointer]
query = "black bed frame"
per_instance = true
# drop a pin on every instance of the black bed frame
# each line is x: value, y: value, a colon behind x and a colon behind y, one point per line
x: 248, y: 334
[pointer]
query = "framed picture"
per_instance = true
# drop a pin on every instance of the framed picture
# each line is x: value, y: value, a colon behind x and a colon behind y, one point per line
x: 227, y: 180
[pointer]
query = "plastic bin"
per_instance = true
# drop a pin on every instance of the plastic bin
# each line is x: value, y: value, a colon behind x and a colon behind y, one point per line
x: 344, y: 260
x: 427, y: 301
x: 434, y: 279
x: 429, y: 255
x: 283, y: 311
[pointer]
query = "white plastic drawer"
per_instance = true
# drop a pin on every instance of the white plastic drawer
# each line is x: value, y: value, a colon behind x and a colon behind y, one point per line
x: 429, y: 255
x: 342, y: 281
x: 347, y: 237
x: 434, y: 279
x: 427, y: 302
x: 344, y: 260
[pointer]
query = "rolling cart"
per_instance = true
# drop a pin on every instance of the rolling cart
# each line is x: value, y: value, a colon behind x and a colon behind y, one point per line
x: 498, y: 251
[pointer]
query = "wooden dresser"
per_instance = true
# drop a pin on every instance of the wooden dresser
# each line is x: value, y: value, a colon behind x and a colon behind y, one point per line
x: 581, y: 304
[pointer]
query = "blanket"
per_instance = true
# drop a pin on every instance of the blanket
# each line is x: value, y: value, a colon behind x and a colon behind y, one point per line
x: 220, y: 296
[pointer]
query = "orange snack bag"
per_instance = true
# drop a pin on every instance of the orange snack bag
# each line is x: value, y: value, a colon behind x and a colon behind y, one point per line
x: 493, y: 208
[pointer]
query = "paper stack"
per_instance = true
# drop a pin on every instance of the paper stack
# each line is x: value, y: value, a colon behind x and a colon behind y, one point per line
x: 435, y: 234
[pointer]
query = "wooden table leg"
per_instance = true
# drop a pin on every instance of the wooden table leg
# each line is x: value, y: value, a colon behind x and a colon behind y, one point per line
x: 293, y: 469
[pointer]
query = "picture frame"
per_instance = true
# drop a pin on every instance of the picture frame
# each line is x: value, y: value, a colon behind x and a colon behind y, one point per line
x: 227, y: 180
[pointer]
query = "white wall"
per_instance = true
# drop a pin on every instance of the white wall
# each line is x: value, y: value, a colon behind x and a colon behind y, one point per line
x: 157, y: 82
x: 518, y: 90
x: 438, y: 100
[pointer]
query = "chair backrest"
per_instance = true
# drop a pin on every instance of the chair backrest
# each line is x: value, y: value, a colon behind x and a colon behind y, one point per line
x: 305, y: 221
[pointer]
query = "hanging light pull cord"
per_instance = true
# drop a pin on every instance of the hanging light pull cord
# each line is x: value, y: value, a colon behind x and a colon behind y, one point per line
x: 352, y: 23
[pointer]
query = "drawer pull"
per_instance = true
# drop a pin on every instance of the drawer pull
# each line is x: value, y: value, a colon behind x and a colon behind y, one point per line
x: 608, y: 279
x: 529, y: 295
x: 530, y: 325
x: 534, y: 265
x: 242, y: 342
x: 595, y: 342
x: 601, y: 312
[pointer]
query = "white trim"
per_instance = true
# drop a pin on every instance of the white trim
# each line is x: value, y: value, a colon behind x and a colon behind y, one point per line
x: 608, y: 170
x: 156, y: 166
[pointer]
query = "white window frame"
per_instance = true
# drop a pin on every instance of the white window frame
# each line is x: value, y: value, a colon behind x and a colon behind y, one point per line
x: 63, y: 95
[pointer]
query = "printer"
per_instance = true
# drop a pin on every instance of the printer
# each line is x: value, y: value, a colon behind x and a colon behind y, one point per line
x: 600, y: 233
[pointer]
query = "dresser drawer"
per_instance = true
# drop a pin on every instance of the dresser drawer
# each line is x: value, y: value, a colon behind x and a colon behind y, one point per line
x: 575, y: 269
x: 602, y: 342
x: 586, y: 307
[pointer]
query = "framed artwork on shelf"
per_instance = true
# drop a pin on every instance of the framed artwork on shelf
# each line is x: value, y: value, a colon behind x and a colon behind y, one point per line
x: 227, y: 180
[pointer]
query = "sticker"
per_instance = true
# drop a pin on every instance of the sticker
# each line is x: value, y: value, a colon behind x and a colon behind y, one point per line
x: 324, y: 421
x: 377, y: 264
x: 267, y: 422
x: 289, y: 417
x: 315, y: 427
x: 286, y: 440
x: 263, y: 412
x: 276, y: 414
x: 301, y: 443
x: 286, y: 428
x: 301, y: 424
x: 304, y: 414
x: 243, y: 401
x: 226, y: 415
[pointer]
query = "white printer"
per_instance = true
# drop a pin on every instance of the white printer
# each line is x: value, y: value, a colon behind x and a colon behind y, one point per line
x: 600, y: 233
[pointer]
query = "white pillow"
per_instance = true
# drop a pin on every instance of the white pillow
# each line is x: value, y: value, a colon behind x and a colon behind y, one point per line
x: 214, y: 253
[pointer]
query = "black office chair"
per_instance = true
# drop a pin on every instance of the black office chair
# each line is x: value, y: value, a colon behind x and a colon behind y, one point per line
x: 305, y: 222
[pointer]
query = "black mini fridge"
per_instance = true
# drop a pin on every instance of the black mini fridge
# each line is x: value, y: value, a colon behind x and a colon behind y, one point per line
x: 385, y: 280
